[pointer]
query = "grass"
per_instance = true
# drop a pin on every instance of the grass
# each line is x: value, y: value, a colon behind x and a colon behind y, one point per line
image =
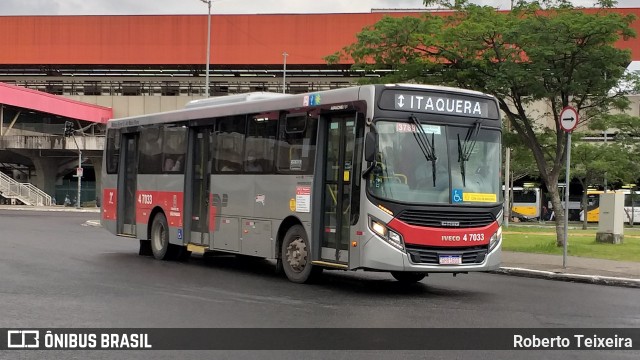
x: 542, y: 240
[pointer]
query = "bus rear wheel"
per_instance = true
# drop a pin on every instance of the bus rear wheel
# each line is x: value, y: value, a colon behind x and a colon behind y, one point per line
x: 407, y: 277
x: 296, y: 256
x: 160, y: 237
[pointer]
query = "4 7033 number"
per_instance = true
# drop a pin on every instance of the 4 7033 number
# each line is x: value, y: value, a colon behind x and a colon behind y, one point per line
x: 473, y: 237
x: 146, y: 199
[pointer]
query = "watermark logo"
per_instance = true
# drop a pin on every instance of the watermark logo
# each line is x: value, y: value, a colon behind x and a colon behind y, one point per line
x: 23, y: 339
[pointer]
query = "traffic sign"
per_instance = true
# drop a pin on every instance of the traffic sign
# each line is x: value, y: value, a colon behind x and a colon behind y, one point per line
x: 79, y: 172
x: 568, y: 119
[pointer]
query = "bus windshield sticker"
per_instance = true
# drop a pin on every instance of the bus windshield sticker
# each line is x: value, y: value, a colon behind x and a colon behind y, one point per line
x: 303, y: 198
x: 295, y: 165
x: 456, y: 195
x: 479, y: 197
x: 402, y: 127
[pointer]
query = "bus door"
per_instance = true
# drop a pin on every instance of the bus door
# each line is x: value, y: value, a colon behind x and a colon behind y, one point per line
x: 127, y: 181
x: 197, y: 186
x: 341, y: 173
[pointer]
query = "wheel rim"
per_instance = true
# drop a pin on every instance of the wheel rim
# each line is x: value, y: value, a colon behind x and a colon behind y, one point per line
x: 297, y: 254
x: 158, y: 236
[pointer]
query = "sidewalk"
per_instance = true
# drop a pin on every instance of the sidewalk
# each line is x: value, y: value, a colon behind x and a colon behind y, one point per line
x: 48, y: 208
x: 579, y: 269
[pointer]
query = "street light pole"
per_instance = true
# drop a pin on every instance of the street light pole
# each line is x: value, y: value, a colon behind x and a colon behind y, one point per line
x: 206, y: 85
x: 284, y: 73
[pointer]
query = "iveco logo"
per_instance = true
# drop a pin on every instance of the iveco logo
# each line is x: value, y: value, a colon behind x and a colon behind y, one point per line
x: 450, y: 223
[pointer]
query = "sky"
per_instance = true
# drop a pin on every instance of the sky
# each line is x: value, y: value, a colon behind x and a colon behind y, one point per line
x: 128, y: 7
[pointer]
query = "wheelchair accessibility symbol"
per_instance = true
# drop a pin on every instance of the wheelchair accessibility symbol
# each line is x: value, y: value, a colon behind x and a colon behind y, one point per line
x: 456, y: 195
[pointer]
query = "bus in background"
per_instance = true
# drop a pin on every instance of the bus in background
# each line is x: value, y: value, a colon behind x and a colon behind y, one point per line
x: 526, y: 203
x: 397, y: 178
x: 631, y: 205
x: 575, y: 200
x: 593, y: 205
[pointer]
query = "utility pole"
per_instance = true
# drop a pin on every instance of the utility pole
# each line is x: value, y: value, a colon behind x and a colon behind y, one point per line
x: 69, y: 132
x: 206, y: 85
x: 284, y: 73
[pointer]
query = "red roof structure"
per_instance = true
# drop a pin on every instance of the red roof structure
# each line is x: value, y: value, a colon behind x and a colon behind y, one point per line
x: 52, y: 104
x: 181, y: 39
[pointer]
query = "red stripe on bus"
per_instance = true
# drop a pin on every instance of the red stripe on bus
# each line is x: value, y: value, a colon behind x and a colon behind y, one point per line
x: 213, y: 210
x: 429, y: 236
x: 171, y: 202
x: 109, y: 204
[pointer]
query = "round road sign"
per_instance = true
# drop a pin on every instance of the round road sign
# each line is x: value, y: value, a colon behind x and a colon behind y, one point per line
x: 568, y: 119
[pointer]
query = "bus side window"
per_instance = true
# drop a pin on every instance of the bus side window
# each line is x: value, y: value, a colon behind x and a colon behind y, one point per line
x: 150, y: 161
x: 113, y: 151
x: 259, y: 144
x: 296, y: 150
x: 229, y: 138
x: 174, y: 149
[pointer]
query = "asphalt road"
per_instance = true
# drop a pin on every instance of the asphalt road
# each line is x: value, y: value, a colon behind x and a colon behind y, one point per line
x: 55, y: 272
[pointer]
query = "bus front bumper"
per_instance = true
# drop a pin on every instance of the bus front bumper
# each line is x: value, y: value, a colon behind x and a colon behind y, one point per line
x: 379, y: 255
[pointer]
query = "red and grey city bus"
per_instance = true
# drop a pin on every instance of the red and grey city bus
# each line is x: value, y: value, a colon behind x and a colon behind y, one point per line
x: 397, y: 178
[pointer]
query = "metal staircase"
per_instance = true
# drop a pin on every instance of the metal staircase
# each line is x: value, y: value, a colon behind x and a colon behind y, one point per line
x: 25, y: 192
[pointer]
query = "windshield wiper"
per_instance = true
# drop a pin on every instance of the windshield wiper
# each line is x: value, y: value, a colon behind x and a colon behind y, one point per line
x: 465, y: 149
x: 428, y: 147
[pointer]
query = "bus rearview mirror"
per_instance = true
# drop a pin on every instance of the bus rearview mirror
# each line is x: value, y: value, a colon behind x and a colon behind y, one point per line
x: 370, y: 147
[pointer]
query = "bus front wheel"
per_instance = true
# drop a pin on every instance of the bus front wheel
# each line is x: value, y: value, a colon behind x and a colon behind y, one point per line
x: 296, y: 256
x: 160, y: 237
x: 407, y: 277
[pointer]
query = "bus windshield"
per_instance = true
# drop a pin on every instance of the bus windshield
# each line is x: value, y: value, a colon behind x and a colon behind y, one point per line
x: 438, y: 164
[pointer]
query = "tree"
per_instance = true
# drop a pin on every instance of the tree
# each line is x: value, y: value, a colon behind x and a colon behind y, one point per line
x: 542, y: 51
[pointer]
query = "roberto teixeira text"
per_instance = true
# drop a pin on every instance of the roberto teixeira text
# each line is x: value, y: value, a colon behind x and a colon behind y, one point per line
x: 577, y: 341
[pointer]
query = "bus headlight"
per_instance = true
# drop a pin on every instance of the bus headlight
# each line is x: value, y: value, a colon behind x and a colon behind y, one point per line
x: 495, y: 239
x: 386, y: 234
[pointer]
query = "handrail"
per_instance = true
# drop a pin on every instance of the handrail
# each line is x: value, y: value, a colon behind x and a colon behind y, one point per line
x: 25, y: 192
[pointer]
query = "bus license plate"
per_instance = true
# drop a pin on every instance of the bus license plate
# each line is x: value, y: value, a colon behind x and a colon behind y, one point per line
x: 450, y: 259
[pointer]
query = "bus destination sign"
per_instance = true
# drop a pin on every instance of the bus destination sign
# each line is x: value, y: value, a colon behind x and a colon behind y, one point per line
x: 438, y: 103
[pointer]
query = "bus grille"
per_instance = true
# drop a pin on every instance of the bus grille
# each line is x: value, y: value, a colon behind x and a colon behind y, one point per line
x: 431, y: 254
x: 437, y: 218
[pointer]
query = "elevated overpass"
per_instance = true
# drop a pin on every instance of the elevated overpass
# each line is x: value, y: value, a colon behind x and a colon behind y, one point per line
x: 34, y: 154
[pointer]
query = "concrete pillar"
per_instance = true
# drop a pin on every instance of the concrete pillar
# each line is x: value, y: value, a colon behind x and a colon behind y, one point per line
x: 97, y: 166
x: 46, y: 174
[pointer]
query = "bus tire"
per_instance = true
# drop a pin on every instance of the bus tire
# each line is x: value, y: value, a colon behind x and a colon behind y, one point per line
x: 296, y: 256
x: 407, y: 277
x: 160, y: 237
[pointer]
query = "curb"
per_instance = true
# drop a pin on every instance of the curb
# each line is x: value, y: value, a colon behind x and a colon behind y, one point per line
x: 589, y: 279
x: 50, y: 209
x: 93, y: 223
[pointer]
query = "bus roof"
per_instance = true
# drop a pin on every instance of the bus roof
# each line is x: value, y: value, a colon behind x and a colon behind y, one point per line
x: 265, y: 101
x: 230, y: 99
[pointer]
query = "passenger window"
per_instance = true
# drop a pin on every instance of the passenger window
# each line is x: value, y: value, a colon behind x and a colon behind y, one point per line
x: 260, y: 143
x: 150, y: 151
x: 174, y: 149
x: 229, y: 143
x: 296, y: 150
x: 113, y: 151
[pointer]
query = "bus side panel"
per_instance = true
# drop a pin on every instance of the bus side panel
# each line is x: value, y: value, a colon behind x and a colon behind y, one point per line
x: 170, y: 199
x: 109, y: 198
x: 109, y: 217
x: 252, y: 200
x: 145, y: 190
